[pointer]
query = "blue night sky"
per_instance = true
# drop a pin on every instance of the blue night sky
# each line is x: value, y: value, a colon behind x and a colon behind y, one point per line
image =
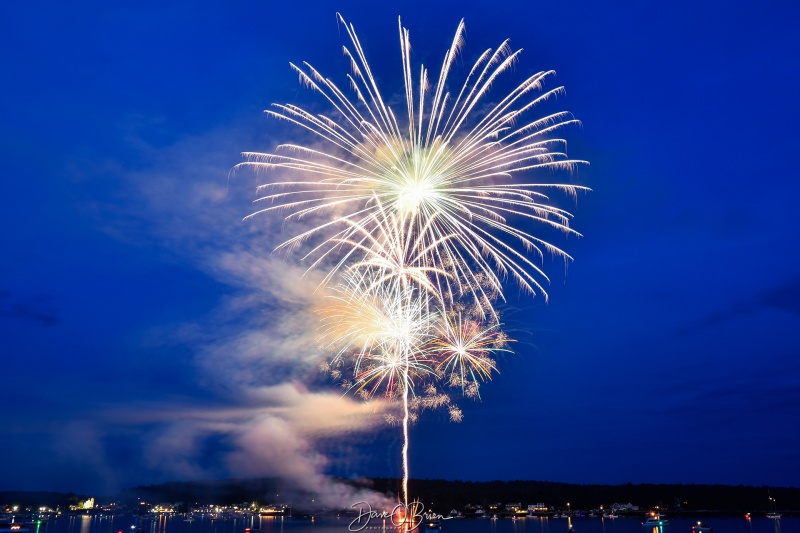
x: 147, y: 334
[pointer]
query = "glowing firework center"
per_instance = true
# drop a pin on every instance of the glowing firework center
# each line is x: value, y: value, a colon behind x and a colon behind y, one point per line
x: 415, y: 184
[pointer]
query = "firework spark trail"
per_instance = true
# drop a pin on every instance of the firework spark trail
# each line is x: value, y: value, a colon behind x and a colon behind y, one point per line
x: 385, y: 326
x: 422, y: 231
x: 406, y: 470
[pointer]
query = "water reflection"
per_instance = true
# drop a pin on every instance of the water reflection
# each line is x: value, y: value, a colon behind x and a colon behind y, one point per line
x: 161, y: 525
x: 519, y: 525
x: 271, y: 523
x: 323, y: 524
x: 86, y: 523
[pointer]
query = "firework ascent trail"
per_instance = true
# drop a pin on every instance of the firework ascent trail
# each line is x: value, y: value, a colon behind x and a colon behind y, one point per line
x: 418, y: 220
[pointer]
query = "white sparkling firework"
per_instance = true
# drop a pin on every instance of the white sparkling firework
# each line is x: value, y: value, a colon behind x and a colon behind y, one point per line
x: 381, y: 330
x: 421, y: 216
x: 449, y: 171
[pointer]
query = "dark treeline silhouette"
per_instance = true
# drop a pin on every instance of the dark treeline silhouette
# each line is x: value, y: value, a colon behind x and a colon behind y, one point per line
x: 25, y: 499
x: 443, y: 495
x: 446, y: 495
x: 222, y: 492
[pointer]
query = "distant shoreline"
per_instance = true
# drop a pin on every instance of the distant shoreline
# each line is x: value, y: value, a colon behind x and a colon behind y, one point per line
x: 673, y: 499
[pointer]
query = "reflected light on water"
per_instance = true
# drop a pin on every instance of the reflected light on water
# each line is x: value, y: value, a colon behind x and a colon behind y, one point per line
x: 321, y: 523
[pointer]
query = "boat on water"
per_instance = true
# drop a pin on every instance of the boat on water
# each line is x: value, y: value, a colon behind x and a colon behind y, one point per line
x: 12, y: 527
x: 700, y: 527
x: 773, y: 511
x: 610, y: 515
x: 433, y: 525
x: 655, y: 521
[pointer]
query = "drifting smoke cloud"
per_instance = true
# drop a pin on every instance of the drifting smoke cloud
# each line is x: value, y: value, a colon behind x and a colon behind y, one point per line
x: 256, y: 350
x: 280, y: 441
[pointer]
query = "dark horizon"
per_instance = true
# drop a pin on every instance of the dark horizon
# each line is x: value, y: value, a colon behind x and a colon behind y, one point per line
x: 671, y: 498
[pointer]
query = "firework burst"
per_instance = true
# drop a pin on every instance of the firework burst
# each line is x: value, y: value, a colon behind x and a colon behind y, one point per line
x: 381, y: 330
x: 447, y: 173
x: 463, y: 350
x: 416, y: 220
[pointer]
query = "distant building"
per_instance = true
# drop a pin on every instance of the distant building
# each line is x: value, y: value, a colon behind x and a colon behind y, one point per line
x: 83, y: 506
x: 624, y: 507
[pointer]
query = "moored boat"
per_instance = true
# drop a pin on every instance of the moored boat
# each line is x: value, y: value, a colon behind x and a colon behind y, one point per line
x: 655, y: 520
x: 773, y: 510
x: 12, y: 527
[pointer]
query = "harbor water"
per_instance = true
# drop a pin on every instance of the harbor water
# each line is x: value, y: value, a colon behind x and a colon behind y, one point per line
x: 344, y: 524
